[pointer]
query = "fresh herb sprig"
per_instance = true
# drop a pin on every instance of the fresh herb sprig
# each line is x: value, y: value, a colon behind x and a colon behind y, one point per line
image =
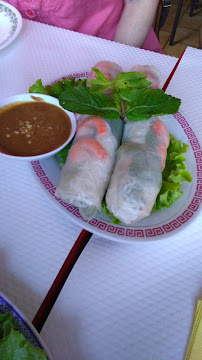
x: 130, y: 96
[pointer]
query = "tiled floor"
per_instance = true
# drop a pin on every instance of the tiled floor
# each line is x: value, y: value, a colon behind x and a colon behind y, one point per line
x: 188, y: 29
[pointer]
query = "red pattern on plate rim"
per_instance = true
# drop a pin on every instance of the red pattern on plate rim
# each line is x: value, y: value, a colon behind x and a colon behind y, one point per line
x: 134, y: 233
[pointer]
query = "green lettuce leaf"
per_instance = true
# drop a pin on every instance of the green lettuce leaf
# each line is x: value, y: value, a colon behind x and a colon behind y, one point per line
x: 173, y: 175
x: 38, y: 88
x: 56, y: 88
x: 62, y: 154
x: 114, y: 220
x: 7, y: 323
x: 16, y: 347
x: 13, y: 345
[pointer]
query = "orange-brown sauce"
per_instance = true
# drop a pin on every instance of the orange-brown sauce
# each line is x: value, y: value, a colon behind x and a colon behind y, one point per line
x: 32, y: 128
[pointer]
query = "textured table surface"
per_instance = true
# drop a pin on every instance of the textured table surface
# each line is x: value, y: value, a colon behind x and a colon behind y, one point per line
x: 121, y: 301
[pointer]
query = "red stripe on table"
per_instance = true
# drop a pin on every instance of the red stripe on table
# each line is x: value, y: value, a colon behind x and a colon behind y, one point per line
x: 172, y: 73
x: 51, y: 297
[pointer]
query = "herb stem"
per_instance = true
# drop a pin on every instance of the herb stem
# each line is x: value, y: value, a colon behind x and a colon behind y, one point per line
x: 123, y: 111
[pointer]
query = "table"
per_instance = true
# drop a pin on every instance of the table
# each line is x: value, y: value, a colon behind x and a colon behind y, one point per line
x: 121, y: 301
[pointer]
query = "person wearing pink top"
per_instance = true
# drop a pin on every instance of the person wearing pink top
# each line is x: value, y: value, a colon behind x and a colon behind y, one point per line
x: 124, y: 21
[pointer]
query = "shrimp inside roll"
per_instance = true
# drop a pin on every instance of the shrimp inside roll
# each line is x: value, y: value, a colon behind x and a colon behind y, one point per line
x: 87, y: 171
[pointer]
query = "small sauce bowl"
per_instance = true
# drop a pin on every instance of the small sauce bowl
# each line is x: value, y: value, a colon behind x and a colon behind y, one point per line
x: 25, y: 132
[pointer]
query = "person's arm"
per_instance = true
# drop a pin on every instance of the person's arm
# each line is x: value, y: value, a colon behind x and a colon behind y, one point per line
x: 135, y: 22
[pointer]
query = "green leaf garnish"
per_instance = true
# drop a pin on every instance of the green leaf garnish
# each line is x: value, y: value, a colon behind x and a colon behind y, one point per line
x: 150, y: 102
x: 114, y: 220
x: 62, y: 154
x: 130, y: 96
x: 56, y: 88
x: 100, y: 82
x: 13, y: 345
x: 79, y: 99
x: 7, y: 323
x: 131, y: 80
x: 173, y: 175
x: 38, y: 88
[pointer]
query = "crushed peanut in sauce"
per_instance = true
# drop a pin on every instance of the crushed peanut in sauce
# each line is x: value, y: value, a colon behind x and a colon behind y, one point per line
x: 32, y: 128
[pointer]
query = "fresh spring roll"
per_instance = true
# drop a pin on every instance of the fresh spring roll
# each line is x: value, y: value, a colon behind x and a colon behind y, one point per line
x: 109, y: 68
x: 90, y: 162
x: 152, y: 74
x: 137, y: 177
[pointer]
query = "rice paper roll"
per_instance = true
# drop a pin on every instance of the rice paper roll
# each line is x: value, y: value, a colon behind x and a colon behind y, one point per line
x: 90, y: 162
x: 137, y: 176
x: 151, y: 73
x: 109, y: 68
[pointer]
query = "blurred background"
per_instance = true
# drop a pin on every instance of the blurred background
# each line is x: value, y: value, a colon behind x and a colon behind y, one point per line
x: 188, y: 28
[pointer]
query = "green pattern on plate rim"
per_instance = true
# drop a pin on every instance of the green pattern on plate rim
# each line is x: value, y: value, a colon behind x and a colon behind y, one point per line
x: 12, y: 17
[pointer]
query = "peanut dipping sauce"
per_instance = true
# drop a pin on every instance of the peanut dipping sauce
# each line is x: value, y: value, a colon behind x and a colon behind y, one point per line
x: 32, y: 128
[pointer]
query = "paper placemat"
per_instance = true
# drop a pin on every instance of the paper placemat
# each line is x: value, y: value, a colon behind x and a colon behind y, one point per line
x: 121, y: 302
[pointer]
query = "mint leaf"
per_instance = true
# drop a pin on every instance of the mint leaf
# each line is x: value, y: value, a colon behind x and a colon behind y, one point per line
x: 151, y: 102
x: 131, y: 80
x: 79, y: 99
x: 117, y: 99
x: 100, y: 82
x: 130, y: 95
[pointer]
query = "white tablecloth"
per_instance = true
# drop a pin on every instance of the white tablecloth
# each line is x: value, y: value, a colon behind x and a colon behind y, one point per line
x: 121, y: 301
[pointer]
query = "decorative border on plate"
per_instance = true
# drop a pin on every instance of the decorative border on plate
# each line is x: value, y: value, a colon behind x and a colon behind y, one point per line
x: 8, y: 12
x: 138, y: 233
x: 81, y: 75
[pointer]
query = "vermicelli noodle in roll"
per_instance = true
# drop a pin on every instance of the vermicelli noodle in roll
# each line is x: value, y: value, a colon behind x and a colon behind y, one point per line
x: 137, y: 176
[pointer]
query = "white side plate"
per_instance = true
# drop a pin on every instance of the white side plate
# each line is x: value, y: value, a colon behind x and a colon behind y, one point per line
x: 10, y: 24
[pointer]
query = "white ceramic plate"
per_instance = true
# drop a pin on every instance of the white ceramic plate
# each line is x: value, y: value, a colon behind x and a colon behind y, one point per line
x: 158, y: 225
x: 10, y: 24
x: 24, y: 325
